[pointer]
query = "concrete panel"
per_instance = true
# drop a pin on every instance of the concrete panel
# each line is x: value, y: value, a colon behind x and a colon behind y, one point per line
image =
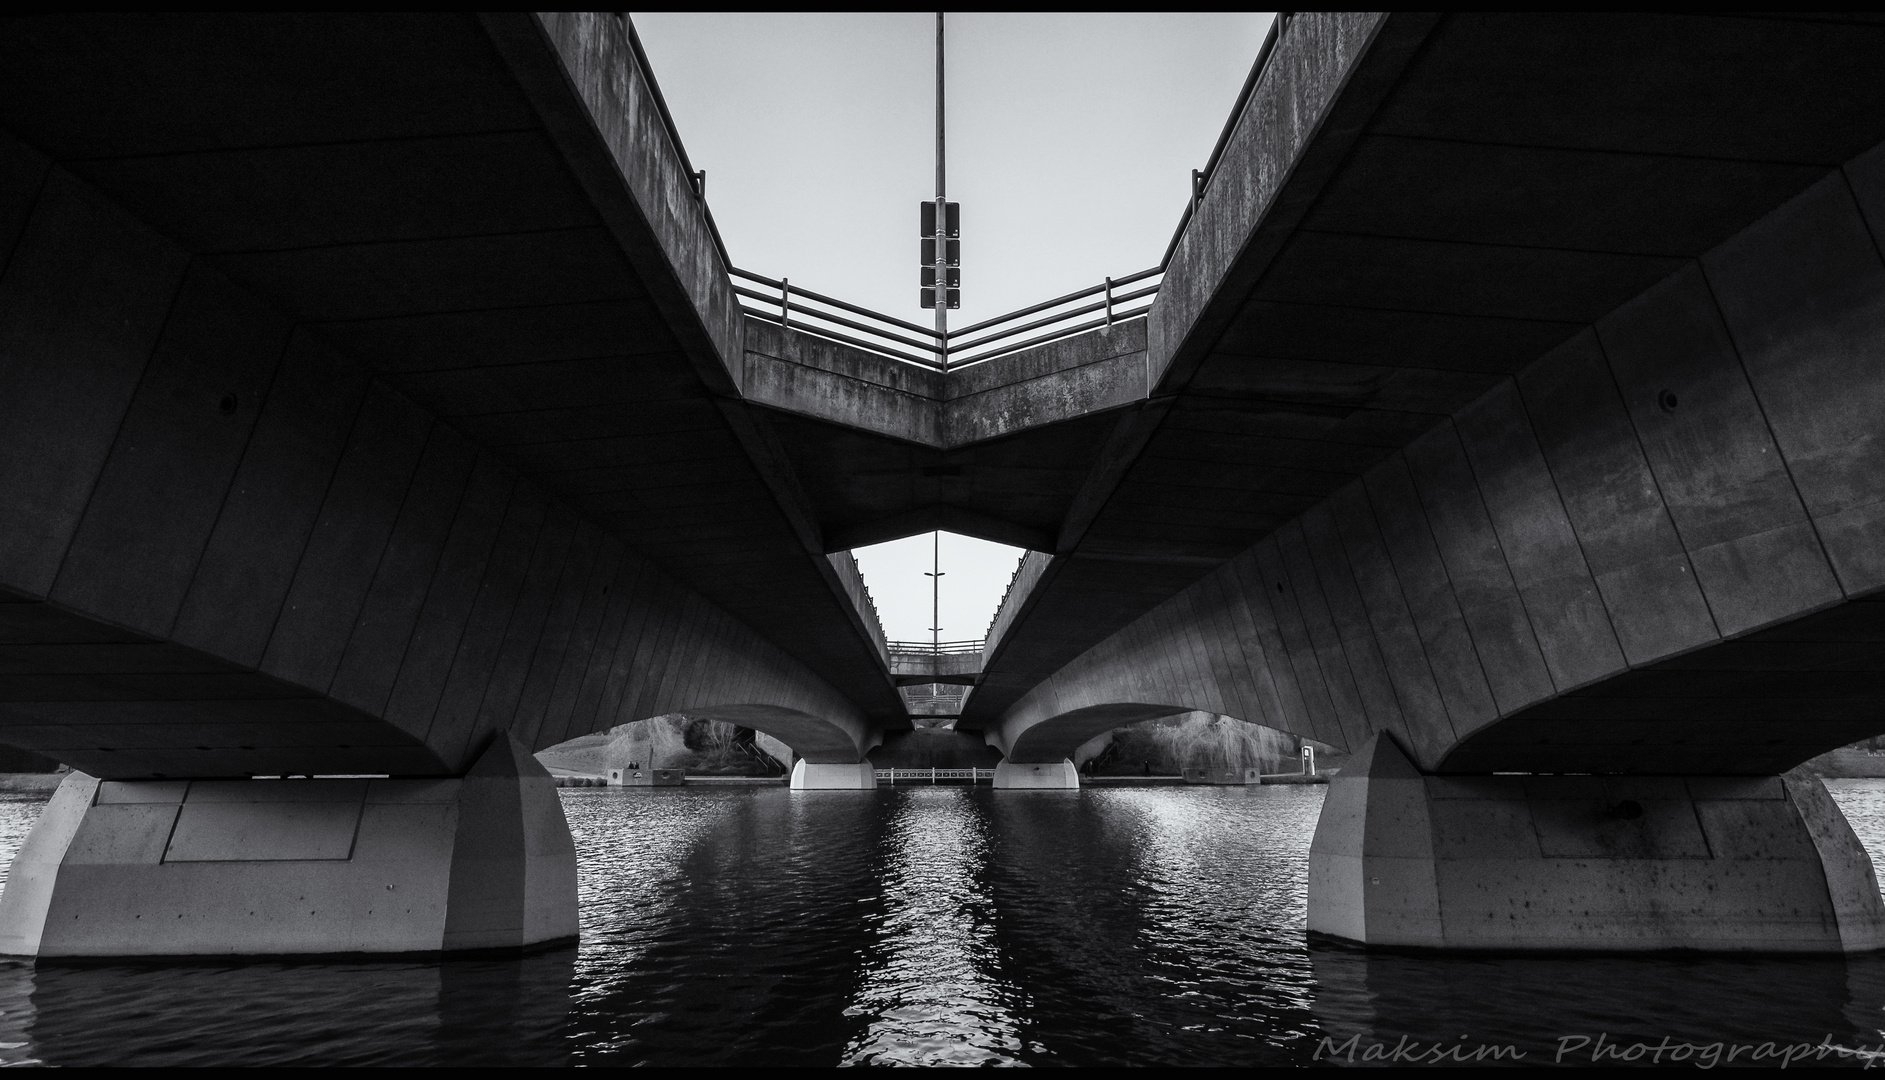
x: 528, y: 623
x: 1424, y: 721
x: 23, y: 172
x: 579, y: 655
x: 483, y: 635
x: 263, y: 831
x: 1350, y: 616
x: 1488, y: 598
x: 426, y: 661
x: 357, y: 518
x: 133, y: 833
x: 1275, y: 594
x: 640, y: 618
x: 1602, y: 829
x: 586, y: 714
x: 1612, y: 502
x: 376, y: 649
x: 1714, y: 461
x: 271, y: 507
x: 1262, y: 644
x: 81, y: 306
x: 1803, y: 294
x: 1451, y: 653
x: 1567, y: 615
x: 157, y: 498
x: 1229, y: 665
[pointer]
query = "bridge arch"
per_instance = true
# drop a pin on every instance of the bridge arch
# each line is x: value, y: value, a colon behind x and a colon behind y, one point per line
x: 819, y: 739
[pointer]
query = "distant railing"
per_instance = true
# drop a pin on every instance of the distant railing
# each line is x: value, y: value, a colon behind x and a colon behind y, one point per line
x: 973, y: 776
x: 810, y: 312
x: 928, y: 648
x: 1112, y: 300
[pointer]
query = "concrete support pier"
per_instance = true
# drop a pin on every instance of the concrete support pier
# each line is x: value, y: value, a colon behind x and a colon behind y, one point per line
x: 1754, y: 864
x: 818, y: 776
x: 278, y: 867
x: 1024, y: 775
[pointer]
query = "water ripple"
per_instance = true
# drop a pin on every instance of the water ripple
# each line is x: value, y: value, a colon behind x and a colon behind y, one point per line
x: 766, y: 927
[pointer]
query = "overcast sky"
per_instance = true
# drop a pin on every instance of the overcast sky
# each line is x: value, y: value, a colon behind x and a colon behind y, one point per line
x: 1071, y: 143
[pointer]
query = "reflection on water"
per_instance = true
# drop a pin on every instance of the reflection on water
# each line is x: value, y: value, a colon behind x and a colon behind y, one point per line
x: 931, y: 989
x: 935, y: 925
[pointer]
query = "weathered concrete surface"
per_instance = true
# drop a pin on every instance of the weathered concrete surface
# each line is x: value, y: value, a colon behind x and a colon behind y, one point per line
x: 885, y: 450
x: 812, y: 776
x: 935, y: 748
x: 918, y: 668
x: 279, y: 867
x: 1049, y: 776
x: 1653, y: 550
x: 1755, y: 864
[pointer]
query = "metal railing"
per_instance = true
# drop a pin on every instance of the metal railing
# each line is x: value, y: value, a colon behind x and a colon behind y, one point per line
x: 928, y: 648
x: 973, y: 776
x: 829, y: 317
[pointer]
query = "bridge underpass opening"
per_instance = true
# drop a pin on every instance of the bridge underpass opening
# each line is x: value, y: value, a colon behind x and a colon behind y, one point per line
x: 934, y: 625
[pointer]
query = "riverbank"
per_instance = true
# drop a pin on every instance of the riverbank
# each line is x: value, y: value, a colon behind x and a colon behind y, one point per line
x: 1848, y: 764
x: 31, y: 783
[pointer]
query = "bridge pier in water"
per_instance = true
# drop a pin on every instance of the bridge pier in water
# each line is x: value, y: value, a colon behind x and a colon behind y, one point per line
x: 282, y: 867
x: 1024, y: 775
x: 1587, y: 863
x: 820, y: 776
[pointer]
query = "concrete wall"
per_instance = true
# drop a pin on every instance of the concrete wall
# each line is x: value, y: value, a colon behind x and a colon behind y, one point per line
x: 227, y: 548
x: 798, y: 372
x: 1654, y: 549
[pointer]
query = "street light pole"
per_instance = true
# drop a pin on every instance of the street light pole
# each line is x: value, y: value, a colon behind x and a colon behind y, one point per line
x: 935, y: 593
x: 942, y: 264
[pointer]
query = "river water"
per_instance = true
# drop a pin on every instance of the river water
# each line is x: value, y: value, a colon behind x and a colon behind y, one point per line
x: 943, y: 925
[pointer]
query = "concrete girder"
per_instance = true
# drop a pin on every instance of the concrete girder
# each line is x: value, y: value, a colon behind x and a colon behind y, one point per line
x: 1046, y: 739
x: 1656, y: 549
x: 915, y: 669
x: 821, y: 740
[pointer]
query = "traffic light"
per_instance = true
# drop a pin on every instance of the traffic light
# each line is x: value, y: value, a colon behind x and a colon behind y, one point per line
x: 951, y: 254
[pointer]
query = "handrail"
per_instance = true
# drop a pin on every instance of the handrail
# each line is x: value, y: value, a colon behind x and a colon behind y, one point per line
x: 941, y: 351
x: 800, y: 290
x: 926, y: 648
x: 1201, y: 179
x: 696, y: 180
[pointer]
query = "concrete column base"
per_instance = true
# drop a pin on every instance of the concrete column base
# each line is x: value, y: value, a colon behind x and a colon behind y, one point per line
x: 277, y: 867
x: 1028, y: 775
x: 813, y: 776
x: 1727, y: 864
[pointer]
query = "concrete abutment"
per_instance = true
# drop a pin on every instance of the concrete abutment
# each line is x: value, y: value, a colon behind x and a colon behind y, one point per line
x: 1587, y: 863
x: 817, y: 776
x: 1046, y: 776
x: 282, y: 867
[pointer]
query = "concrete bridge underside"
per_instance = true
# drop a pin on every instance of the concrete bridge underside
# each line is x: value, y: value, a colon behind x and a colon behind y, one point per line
x: 373, y: 400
